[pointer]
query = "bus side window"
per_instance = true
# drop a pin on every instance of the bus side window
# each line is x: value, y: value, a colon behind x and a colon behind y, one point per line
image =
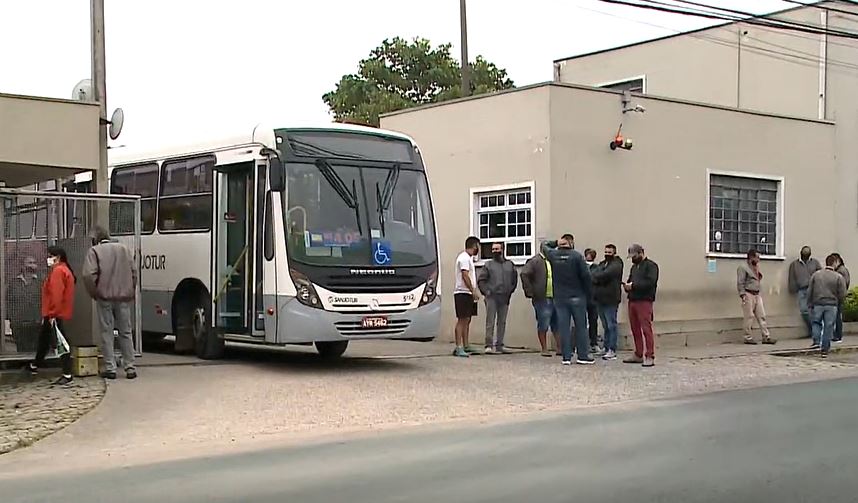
x: 268, y: 239
x: 185, y: 199
x: 141, y: 180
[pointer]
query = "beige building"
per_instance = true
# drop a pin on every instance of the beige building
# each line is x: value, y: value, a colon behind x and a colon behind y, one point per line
x: 737, y: 147
x: 41, y: 140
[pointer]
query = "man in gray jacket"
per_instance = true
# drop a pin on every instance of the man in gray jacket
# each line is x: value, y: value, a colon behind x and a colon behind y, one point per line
x: 111, y: 280
x: 800, y: 272
x: 497, y: 282
x: 827, y: 289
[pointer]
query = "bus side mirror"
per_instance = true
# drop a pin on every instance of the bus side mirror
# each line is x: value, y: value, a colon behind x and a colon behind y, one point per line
x: 276, y: 173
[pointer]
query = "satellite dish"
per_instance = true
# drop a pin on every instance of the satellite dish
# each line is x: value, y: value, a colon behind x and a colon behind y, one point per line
x: 83, y: 91
x: 117, y: 120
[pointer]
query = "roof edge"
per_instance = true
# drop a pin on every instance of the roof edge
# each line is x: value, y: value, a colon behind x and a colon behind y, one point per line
x: 467, y: 98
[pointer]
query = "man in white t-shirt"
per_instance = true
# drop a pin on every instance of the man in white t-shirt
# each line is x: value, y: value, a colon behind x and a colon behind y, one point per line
x: 466, y: 295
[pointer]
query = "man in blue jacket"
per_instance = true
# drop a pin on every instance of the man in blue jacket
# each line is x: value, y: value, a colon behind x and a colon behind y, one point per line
x: 572, y: 286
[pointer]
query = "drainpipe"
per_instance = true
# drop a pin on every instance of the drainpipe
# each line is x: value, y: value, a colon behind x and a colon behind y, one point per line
x: 823, y: 63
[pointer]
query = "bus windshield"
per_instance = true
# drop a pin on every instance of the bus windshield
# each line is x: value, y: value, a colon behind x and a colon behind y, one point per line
x: 341, y: 214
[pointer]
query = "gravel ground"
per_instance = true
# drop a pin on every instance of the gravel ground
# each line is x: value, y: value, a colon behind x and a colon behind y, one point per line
x: 33, y: 409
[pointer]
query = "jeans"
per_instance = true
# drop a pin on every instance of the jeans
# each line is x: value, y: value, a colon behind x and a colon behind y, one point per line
x: 803, y: 309
x: 593, y: 323
x: 546, y: 317
x: 116, y: 315
x: 608, y: 315
x: 496, y: 311
x: 838, y: 324
x: 823, y: 325
x: 640, y: 318
x: 569, y: 309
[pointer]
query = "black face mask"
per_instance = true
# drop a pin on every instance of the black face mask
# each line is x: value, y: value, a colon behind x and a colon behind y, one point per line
x: 805, y: 257
x: 637, y: 259
x: 497, y: 256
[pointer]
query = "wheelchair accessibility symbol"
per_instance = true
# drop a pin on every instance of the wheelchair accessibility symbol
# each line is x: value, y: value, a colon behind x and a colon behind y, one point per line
x: 381, y: 253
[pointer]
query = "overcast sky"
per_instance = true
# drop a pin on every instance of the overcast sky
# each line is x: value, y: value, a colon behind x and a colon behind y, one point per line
x: 188, y: 69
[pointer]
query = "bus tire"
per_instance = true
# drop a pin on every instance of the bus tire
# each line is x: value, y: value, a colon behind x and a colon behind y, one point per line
x: 194, y: 317
x: 331, y: 350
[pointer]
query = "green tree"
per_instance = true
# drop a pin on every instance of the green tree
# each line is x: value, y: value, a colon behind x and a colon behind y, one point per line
x: 400, y: 74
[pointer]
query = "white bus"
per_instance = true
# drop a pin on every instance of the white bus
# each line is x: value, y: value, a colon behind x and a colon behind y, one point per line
x: 286, y: 236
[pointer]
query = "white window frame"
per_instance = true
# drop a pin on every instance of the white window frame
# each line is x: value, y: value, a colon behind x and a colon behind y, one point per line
x: 780, y: 237
x: 623, y: 81
x: 530, y: 186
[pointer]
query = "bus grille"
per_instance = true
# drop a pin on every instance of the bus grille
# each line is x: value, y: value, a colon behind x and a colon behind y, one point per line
x: 363, y: 284
x: 354, y: 329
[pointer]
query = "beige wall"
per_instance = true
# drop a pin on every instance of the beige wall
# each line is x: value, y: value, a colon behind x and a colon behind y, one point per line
x: 656, y: 194
x: 40, y: 138
x: 738, y: 65
x: 557, y: 136
x: 477, y: 143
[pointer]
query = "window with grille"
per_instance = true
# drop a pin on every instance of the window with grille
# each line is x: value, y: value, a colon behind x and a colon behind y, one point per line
x: 505, y: 217
x: 743, y: 214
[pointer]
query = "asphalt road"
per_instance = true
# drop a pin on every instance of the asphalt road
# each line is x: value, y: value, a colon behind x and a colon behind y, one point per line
x: 791, y: 443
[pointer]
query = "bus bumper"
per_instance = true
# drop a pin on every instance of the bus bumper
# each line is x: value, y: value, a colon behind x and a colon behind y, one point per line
x: 302, y: 324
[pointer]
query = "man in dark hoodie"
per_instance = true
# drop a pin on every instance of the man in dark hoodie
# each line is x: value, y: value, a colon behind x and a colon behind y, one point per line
x: 572, y: 286
x: 497, y: 282
x: 607, y: 292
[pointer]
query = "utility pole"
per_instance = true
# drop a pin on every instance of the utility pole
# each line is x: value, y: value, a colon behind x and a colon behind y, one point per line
x: 99, y: 84
x: 466, y: 67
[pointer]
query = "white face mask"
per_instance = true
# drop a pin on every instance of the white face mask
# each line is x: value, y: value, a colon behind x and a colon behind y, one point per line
x: 51, y: 261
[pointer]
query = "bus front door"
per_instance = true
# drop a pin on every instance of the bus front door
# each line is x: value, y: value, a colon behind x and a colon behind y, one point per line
x: 234, y: 248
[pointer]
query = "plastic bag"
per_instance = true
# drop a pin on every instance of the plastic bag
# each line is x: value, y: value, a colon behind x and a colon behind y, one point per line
x: 62, y: 344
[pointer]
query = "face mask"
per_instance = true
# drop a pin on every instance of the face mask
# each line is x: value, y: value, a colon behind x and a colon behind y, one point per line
x: 637, y: 259
x: 497, y: 256
x: 608, y: 258
x: 51, y: 261
x: 805, y: 257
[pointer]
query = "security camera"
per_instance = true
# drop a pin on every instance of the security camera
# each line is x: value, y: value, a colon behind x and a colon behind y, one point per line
x: 623, y: 143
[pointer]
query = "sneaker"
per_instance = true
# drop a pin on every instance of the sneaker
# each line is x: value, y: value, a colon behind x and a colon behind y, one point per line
x: 108, y: 374
x: 823, y: 355
x: 504, y: 351
x: 751, y: 342
x: 585, y: 361
x: 547, y: 353
x: 770, y: 341
x: 566, y: 362
x: 131, y: 374
x: 471, y: 350
x: 489, y: 350
x: 634, y: 359
x: 460, y: 352
x: 64, y: 381
x: 32, y: 369
x: 649, y: 362
x: 609, y: 355
x: 815, y: 345
x: 595, y: 349
x: 837, y: 341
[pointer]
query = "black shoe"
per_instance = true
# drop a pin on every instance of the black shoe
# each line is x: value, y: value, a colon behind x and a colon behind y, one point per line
x: 32, y: 369
x: 823, y: 355
x: 131, y: 374
x: 64, y: 381
x: 770, y: 341
x: 108, y: 375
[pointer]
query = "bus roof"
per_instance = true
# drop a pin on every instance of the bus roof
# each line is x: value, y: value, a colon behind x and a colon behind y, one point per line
x: 261, y: 134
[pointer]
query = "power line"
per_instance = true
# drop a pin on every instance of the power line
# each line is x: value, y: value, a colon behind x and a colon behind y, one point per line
x: 748, y: 20
x: 817, y: 5
x: 799, y: 57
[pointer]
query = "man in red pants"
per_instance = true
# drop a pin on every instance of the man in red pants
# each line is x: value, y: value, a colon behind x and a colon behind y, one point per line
x: 641, y: 289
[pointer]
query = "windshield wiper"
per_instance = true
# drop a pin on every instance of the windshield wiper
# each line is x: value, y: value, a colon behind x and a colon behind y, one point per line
x: 336, y: 182
x: 384, y: 196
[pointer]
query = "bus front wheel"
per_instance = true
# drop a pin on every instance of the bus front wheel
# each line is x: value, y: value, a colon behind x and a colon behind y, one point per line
x: 194, y: 319
x: 331, y: 350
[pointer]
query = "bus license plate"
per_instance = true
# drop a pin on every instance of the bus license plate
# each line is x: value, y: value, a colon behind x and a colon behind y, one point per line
x: 374, y: 322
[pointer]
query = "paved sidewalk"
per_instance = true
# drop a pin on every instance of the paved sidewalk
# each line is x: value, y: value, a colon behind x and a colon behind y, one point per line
x: 33, y: 409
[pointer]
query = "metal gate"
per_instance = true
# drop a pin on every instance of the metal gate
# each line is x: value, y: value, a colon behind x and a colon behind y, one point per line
x: 34, y: 220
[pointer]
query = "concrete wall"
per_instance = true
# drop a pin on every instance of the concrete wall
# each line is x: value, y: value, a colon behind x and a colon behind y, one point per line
x: 46, y: 138
x: 656, y: 194
x: 736, y: 65
x: 557, y: 136
x: 477, y: 143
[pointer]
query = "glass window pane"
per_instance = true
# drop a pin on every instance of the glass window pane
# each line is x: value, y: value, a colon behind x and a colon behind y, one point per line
x: 190, y: 176
x: 185, y: 213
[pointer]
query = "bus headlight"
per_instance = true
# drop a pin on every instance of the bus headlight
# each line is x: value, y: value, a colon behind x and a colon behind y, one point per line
x: 306, y: 294
x: 430, y: 292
